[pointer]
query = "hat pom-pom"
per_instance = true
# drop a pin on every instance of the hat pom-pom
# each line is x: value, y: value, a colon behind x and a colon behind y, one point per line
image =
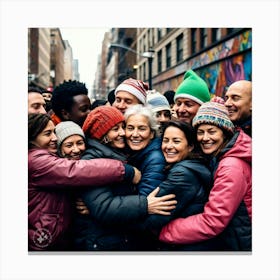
x: 218, y: 99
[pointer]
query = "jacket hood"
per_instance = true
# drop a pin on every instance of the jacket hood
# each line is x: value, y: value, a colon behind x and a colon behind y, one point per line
x: 240, y: 146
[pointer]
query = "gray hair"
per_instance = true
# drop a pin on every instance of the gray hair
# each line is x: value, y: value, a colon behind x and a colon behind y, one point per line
x: 144, y: 110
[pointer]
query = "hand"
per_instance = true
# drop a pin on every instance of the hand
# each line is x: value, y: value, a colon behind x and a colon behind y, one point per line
x: 81, y: 207
x: 160, y: 205
x: 137, y: 176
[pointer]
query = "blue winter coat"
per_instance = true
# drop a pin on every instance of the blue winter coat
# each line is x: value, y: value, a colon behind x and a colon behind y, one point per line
x: 151, y: 162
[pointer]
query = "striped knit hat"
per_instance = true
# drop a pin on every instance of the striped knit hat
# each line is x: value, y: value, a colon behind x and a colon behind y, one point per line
x: 135, y: 87
x: 214, y: 113
x: 194, y: 88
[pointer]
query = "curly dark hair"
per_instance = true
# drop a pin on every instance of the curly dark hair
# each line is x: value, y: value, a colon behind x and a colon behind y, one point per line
x: 62, y: 95
x: 36, y: 124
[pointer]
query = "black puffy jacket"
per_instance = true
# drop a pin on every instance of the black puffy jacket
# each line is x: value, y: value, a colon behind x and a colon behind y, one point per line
x: 111, y: 207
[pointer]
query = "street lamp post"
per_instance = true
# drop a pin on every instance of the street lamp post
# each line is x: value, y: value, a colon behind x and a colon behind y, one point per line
x: 149, y: 54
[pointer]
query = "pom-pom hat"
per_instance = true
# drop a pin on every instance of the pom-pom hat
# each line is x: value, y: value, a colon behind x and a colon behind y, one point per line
x: 194, y: 88
x: 214, y: 113
x: 100, y: 120
x: 157, y: 101
x: 135, y: 87
x: 65, y: 129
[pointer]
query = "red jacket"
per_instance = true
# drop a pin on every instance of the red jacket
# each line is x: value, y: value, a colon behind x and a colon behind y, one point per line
x: 50, y: 179
x: 232, y: 188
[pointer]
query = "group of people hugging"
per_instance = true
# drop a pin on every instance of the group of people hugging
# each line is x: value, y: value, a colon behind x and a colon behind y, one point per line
x: 140, y: 174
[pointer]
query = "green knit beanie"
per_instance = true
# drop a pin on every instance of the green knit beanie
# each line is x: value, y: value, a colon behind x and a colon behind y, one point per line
x: 194, y: 88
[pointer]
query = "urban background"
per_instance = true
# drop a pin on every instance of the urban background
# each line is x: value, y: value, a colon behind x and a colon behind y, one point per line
x: 158, y: 56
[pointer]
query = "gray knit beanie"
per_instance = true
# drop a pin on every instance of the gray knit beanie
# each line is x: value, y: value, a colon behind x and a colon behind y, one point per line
x: 65, y: 129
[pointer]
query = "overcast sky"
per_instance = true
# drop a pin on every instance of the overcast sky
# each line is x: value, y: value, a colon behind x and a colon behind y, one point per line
x: 86, y: 45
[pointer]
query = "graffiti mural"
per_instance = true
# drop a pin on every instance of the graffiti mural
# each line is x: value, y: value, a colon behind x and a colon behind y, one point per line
x: 229, y: 62
x: 219, y: 66
x: 221, y: 74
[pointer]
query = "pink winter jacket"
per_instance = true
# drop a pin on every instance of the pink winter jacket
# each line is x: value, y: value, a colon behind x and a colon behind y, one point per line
x: 50, y: 179
x: 232, y: 185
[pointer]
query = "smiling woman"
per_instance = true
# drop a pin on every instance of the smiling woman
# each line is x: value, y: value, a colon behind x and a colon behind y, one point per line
x: 111, y: 207
x: 145, y: 146
x: 187, y: 176
x: 50, y: 179
x: 227, y: 215
x: 70, y: 140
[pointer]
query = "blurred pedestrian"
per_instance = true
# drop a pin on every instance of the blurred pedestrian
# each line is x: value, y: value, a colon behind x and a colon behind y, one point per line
x: 36, y: 101
x: 190, y: 94
x: 130, y: 92
x: 239, y: 103
x: 97, y: 103
x: 169, y: 95
x: 111, y: 96
x: 70, y: 102
x: 227, y: 214
x: 48, y: 96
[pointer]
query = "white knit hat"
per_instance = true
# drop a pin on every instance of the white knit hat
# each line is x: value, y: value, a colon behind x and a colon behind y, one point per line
x: 65, y: 129
x: 157, y: 101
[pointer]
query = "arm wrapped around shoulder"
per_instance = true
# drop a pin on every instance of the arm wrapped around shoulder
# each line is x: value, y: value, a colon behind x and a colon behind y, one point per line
x: 48, y: 170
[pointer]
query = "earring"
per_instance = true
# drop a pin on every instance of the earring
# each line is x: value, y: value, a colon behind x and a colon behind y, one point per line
x: 105, y: 140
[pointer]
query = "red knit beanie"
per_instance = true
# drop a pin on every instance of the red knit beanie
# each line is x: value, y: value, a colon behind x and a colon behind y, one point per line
x: 100, y: 120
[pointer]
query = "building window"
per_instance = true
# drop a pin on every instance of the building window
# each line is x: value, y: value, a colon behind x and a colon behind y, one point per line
x: 193, y: 40
x: 203, y: 38
x: 179, y: 48
x: 230, y: 30
x: 168, y: 30
x: 144, y: 71
x: 140, y: 72
x: 216, y: 35
x: 168, y: 55
x: 159, y: 33
x: 159, y: 61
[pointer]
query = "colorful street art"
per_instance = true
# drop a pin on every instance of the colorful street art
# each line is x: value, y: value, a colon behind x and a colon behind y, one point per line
x: 220, y: 75
x: 219, y: 66
x: 229, y: 62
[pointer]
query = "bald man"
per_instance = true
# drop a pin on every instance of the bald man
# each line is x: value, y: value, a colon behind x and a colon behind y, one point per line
x: 239, y: 103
